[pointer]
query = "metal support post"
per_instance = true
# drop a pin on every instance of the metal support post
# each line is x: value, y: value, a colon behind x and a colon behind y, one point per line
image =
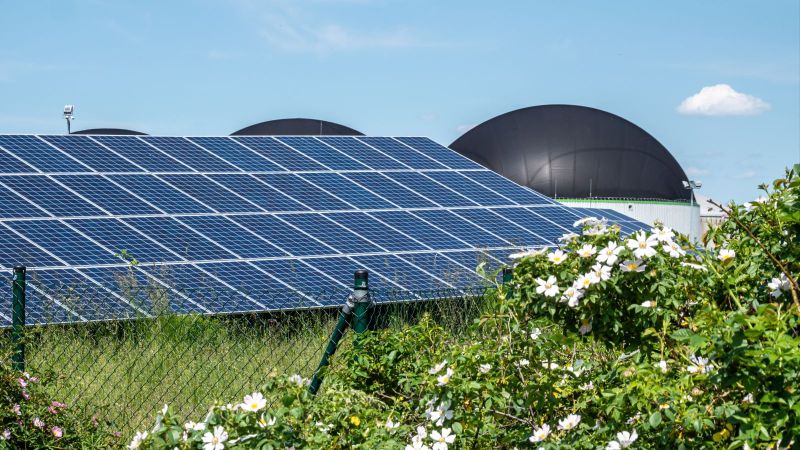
x: 18, y: 319
x: 361, y: 301
x: 508, y: 274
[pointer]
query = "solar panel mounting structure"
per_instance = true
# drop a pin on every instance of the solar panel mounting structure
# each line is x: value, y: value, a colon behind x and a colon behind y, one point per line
x: 265, y: 222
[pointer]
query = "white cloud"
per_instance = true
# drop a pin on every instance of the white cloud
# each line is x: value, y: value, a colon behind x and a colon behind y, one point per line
x: 696, y: 171
x: 722, y: 100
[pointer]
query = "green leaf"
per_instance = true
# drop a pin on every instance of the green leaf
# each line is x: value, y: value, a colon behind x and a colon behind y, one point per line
x: 655, y: 419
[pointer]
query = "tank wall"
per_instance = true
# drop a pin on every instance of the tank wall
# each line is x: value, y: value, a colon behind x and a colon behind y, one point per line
x: 678, y: 216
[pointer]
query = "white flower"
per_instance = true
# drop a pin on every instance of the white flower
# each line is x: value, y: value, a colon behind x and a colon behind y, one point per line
x: 726, y: 254
x: 642, y: 245
x: 586, y: 280
x: 746, y: 446
x: 557, y: 257
x: 191, y: 426
x: 699, y: 365
x: 297, y: 379
x: 551, y: 366
x: 602, y: 272
x: 549, y: 288
x: 631, y: 420
x: 663, y: 234
x: 438, y: 367
x: 673, y: 249
x: 417, y: 444
x: 662, y: 365
x: 699, y: 267
x: 778, y: 285
x: 137, y: 440
x: 587, y: 251
x: 569, y: 422
x: 626, y: 438
x: 522, y: 363
x: 264, y: 423
x: 525, y: 253
x: 571, y: 296
x: 596, y: 229
x: 440, y: 414
x: 215, y: 440
x: 445, y: 377
x: 540, y: 433
x: 484, y: 368
x: 253, y: 402
x: 632, y: 266
x: 389, y: 425
x: 748, y: 398
x: 164, y: 409
x: 535, y: 333
x: 648, y: 304
x: 586, y: 221
x: 585, y: 328
x: 613, y: 445
x: 609, y: 254
x: 6, y: 435
x: 442, y: 438
x: 587, y: 386
x: 567, y: 237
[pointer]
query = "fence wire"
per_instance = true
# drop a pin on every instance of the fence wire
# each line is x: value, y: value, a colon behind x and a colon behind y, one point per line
x: 123, y: 371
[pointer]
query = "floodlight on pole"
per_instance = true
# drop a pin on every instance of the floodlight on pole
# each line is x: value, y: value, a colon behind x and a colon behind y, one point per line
x: 69, y: 111
x: 691, y: 185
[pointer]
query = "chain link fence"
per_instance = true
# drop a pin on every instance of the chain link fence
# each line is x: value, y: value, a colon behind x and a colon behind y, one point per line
x: 123, y: 371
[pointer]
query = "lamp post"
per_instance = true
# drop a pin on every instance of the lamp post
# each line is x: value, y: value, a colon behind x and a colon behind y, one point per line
x: 691, y: 185
x: 69, y: 111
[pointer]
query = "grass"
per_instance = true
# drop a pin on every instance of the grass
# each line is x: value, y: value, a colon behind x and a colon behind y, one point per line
x: 124, y: 372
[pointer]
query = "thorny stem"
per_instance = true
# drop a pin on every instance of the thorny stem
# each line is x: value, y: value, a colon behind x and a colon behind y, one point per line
x: 774, y: 259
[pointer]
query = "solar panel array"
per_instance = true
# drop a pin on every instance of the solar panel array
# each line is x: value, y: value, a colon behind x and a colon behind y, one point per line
x: 265, y: 222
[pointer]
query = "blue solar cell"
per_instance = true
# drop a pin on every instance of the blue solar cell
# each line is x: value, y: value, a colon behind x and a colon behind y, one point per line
x: 143, y: 293
x: 319, y: 290
x: 530, y: 221
x: 91, y: 154
x: 282, y: 234
x: 560, y: 215
x: 430, y: 189
x: 14, y: 205
x: 204, y: 289
x: 50, y: 196
x: 469, y: 188
x: 40, y: 154
x: 363, y: 153
x: 330, y: 233
x: 420, y: 230
x: 448, y: 271
x: 70, y: 291
x: 279, y: 152
x: 517, y: 234
x: 462, y: 229
x: 160, y: 194
x: 63, y: 242
x: 9, y: 164
x: 236, y: 154
x: 304, y: 192
x: 472, y: 259
x: 343, y: 268
x: 190, y: 154
x: 508, y: 188
x: 203, y: 189
x: 402, y: 153
x: 440, y: 153
x: 258, y: 192
x: 324, y: 154
x: 259, y: 286
x: 402, y: 273
x: 376, y: 232
x: 144, y: 155
x: 106, y: 194
x: 178, y: 238
x: 355, y: 195
x: 16, y: 250
x: 391, y: 191
x: 232, y: 237
x: 115, y: 235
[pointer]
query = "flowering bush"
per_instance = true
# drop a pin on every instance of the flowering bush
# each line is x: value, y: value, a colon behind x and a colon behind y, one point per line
x: 30, y: 419
x: 609, y: 341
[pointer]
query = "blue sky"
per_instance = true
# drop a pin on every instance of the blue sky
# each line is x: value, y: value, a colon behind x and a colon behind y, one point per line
x: 418, y: 68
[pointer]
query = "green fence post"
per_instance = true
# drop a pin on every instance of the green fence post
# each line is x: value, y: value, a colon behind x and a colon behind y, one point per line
x: 508, y: 274
x: 361, y: 301
x: 18, y: 318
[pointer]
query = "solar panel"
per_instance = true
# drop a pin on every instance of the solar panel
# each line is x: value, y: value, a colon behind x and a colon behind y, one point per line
x: 241, y: 224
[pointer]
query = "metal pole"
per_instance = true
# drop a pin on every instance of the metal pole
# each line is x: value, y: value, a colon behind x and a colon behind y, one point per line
x: 333, y: 343
x: 691, y: 215
x: 18, y: 318
x: 361, y: 301
x: 508, y: 274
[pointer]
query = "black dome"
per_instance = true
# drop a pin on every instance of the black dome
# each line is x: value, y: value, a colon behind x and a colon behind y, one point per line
x: 566, y: 150
x: 114, y: 131
x: 297, y: 127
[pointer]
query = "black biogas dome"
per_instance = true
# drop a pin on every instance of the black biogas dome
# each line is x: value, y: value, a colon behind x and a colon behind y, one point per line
x: 297, y: 127
x: 569, y: 151
x: 111, y: 131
